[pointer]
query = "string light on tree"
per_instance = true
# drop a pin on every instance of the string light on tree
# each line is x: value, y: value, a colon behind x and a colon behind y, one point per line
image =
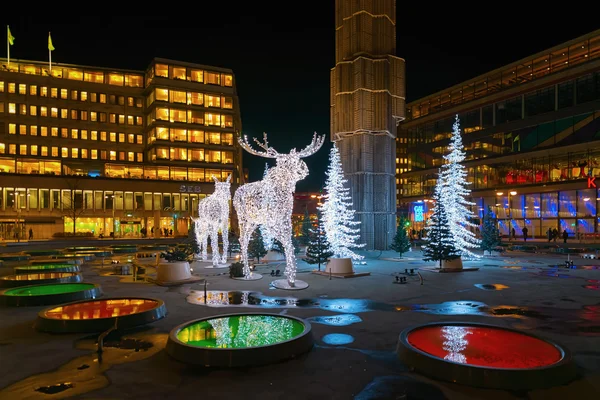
x: 338, y: 215
x: 213, y: 217
x: 269, y: 202
x: 440, y: 242
x: 453, y: 194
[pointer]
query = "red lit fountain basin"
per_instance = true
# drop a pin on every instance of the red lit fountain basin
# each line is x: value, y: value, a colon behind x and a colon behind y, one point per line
x: 54, y: 293
x: 100, y: 315
x: 485, y: 356
x: 238, y: 340
x: 40, y: 279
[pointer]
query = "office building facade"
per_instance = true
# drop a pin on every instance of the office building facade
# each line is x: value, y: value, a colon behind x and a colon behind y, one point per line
x: 112, y: 150
x: 531, y: 131
x: 367, y: 102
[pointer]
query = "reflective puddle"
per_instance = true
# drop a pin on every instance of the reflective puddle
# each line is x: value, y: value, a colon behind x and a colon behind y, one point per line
x: 336, y: 320
x: 337, y: 339
x: 86, y: 373
x: 491, y: 286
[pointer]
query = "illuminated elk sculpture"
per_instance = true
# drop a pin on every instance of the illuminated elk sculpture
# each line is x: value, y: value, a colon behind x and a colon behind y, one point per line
x: 268, y: 203
x: 213, y: 216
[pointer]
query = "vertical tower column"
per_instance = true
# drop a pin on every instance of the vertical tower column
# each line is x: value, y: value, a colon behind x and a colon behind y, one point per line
x: 367, y: 102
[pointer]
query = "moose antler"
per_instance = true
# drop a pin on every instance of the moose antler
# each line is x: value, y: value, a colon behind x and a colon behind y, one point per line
x: 313, y: 147
x: 268, y: 153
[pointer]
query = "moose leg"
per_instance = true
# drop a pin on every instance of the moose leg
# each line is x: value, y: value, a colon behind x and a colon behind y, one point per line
x: 290, y: 258
x: 245, y: 233
x: 225, y: 235
x: 214, y: 244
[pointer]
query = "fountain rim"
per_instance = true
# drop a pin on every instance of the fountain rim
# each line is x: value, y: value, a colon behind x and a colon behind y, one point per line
x: 91, y: 286
x: 542, y: 377
x: 73, y: 277
x: 92, y: 292
x: 173, y: 334
x: 565, y: 354
x: 52, y: 325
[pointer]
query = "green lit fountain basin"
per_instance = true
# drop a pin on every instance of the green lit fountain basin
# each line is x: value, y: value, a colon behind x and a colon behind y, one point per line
x: 240, y: 340
x: 100, y: 315
x: 53, y: 261
x: 74, y: 258
x: 54, y: 293
x: 14, y: 257
x: 39, y: 279
x: 41, y: 253
x: 124, y: 250
x: 41, y: 268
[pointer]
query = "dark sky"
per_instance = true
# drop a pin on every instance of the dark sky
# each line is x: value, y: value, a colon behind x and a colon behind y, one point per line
x: 282, y: 53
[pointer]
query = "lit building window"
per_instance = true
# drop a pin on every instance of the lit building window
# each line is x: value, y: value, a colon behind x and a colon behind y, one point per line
x: 23, y: 149
x: 94, y: 154
x: 22, y: 129
x: 212, y: 101
x: 74, y: 134
x: 34, y: 150
x: 11, y: 88
x: 54, y: 131
x: 44, y: 151
x: 33, y: 110
x: 22, y: 88
x: 54, y: 93
x: 64, y: 152
x: 12, y: 129
x: 228, y: 80
x: 212, y: 78
x: 12, y: 108
x: 178, y: 73
x: 131, y: 156
x: 115, y: 79
x: 84, y: 153
x: 178, y: 96
x: 112, y: 155
x: 161, y: 70
x: 33, y: 130
x: 83, y: 96
x: 64, y: 94
x: 33, y: 90
x: 54, y: 112
x: 95, y: 77
x: 75, y: 153
x: 197, y: 75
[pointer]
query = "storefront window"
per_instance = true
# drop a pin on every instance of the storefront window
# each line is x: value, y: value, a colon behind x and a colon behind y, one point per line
x: 567, y: 204
x: 586, y: 203
x: 549, y: 205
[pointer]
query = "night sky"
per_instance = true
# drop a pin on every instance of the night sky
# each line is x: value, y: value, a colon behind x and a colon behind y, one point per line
x: 282, y: 54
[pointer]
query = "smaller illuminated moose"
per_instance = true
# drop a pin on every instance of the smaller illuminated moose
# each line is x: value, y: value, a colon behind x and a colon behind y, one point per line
x: 213, y: 216
x: 268, y: 203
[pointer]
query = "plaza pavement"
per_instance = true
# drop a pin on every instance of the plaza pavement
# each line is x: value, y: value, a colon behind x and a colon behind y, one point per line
x: 556, y: 307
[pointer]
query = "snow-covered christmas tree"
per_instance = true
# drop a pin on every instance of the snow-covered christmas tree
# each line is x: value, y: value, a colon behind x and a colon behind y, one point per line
x: 440, y: 242
x: 338, y: 215
x: 453, y: 194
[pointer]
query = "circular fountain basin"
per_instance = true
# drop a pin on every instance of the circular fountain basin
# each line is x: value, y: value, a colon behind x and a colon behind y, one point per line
x: 485, y: 356
x: 237, y: 340
x: 79, y: 249
x: 14, y: 257
x: 100, y: 315
x: 124, y: 250
x: 54, y: 293
x: 39, y: 253
x: 40, y: 279
x: 41, y: 268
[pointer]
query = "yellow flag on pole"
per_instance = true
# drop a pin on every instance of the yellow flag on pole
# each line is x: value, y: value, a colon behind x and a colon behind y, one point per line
x: 11, y: 38
x: 50, y: 46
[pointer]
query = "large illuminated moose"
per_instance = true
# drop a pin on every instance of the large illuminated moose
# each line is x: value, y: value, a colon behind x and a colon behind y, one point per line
x: 213, y: 216
x: 268, y: 203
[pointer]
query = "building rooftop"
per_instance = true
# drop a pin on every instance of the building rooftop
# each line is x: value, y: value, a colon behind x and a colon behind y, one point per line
x: 558, y: 58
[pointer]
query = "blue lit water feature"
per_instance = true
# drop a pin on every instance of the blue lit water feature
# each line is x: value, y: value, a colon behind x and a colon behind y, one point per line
x: 336, y: 320
x: 337, y: 339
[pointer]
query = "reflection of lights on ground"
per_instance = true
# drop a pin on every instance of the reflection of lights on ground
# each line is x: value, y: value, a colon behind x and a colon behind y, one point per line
x: 336, y: 320
x: 337, y: 339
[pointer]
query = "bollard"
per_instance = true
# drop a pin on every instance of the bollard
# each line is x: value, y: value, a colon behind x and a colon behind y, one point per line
x: 205, y: 291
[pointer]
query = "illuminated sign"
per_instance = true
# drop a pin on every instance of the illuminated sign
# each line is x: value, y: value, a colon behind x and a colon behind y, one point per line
x: 190, y: 189
x: 418, y: 213
x: 591, y: 182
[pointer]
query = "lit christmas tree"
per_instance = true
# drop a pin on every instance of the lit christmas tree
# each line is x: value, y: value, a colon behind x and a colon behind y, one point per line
x: 401, y: 243
x: 453, y: 194
x: 490, y: 235
x: 440, y: 242
x: 338, y: 215
x: 256, y: 246
x: 318, y: 250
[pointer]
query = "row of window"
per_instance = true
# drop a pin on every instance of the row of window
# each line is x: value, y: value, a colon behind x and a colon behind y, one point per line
x: 188, y: 74
x: 190, y: 117
x: 65, y: 152
x: 73, y: 133
x: 190, y: 136
x: 189, y: 98
x: 95, y: 200
x: 183, y: 154
x: 76, y: 115
x: 66, y: 94
x: 130, y: 171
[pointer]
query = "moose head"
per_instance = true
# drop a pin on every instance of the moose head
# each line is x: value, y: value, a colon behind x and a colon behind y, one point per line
x: 222, y: 186
x: 290, y: 164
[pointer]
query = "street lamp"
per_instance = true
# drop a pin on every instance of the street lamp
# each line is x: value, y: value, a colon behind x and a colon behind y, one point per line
x: 112, y: 196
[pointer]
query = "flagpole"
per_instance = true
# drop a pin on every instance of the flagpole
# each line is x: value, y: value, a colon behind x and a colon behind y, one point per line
x: 7, y: 47
x: 49, y: 54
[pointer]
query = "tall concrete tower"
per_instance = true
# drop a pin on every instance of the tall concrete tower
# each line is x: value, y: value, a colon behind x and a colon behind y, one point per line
x: 367, y: 102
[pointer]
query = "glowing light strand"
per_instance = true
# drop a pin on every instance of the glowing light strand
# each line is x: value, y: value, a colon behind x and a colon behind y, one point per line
x: 454, y: 192
x: 269, y: 203
x: 337, y: 213
x: 213, y: 217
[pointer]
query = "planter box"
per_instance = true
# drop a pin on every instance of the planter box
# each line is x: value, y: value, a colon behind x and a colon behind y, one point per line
x: 173, y: 272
